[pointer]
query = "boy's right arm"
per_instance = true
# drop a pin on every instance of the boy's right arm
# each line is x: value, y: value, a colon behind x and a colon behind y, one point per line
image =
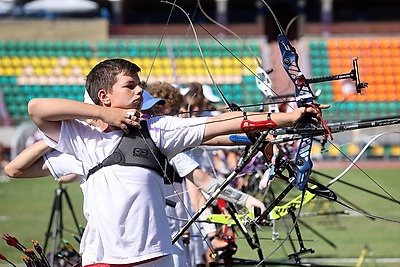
x: 47, y: 113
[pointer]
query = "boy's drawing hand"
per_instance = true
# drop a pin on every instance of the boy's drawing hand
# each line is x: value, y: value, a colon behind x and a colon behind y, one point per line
x: 122, y: 118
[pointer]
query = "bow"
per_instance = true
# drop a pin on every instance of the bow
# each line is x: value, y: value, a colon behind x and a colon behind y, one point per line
x: 250, y: 152
x: 304, y: 97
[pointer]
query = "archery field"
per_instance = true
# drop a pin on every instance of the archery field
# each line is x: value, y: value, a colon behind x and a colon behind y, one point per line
x: 338, y: 236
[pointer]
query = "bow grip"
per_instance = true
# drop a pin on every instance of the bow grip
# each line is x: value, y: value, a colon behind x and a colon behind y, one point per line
x: 303, y: 163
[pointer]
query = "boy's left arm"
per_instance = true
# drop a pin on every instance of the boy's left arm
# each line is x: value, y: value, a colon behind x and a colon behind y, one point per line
x: 230, y: 122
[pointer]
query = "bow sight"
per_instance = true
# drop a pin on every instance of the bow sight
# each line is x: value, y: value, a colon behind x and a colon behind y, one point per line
x: 353, y: 75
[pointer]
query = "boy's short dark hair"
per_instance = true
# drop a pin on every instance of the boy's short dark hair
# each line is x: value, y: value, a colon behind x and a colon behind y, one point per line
x: 104, y: 75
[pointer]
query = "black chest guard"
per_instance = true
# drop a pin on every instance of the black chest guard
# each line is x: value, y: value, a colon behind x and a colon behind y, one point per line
x: 138, y: 149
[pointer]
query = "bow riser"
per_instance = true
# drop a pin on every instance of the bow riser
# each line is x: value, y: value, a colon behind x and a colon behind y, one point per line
x: 304, y: 96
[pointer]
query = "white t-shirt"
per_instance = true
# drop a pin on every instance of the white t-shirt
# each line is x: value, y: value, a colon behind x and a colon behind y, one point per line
x: 124, y: 205
x: 184, y: 163
x: 61, y: 164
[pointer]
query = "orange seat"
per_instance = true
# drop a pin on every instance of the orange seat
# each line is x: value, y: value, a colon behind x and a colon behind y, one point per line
x: 381, y: 96
x: 365, y: 43
x: 391, y: 97
x: 394, y: 43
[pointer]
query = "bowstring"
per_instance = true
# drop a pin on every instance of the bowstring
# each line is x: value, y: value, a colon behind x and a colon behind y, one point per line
x: 159, y: 163
x: 280, y: 27
x: 297, y: 217
x: 353, y: 163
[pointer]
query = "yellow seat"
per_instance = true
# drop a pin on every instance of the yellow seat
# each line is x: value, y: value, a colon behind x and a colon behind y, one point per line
x: 5, y: 61
x: 54, y: 62
x: 38, y: 71
x: 378, y: 151
x: 67, y: 71
x: 85, y: 71
x: 25, y: 61
x: 35, y: 61
x: 395, y: 150
x: 333, y: 150
x: 10, y: 71
x: 45, y: 62
x: 16, y: 61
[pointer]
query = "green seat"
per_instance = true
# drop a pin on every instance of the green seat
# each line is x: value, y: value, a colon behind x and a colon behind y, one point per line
x: 10, y: 45
x: 41, y: 53
x: 37, y: 89
x: 39, y: 45
x: 48, y: 45
x: 60, y: 53
x: 248, y: 79
x: 12, y: 82
x: 237, y: 89
x: 111, y: 46
x: 7, y: 89
x: 68, y: 45
x: 12, y: 53
x: 102, y: 54
x: 392, y: 107
x: 315, y: 62
x: 382, y: 107
x: 51, y: 53
x: 88, y: 53
x: 373, y: 107
x: 207, y: 53
x: 58, y: 45
x: 19, y: 45
x: 121, y: 45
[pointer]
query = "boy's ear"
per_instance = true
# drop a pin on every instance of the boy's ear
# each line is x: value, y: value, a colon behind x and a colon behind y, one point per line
x: 103, y: 97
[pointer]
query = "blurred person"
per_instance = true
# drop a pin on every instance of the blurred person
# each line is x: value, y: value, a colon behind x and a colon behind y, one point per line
x: 197, y: 179
x: 210, y: 100
x: 4, y: 160
x: 5, y: 119
x: 194, y: 99
x: 129, y: 225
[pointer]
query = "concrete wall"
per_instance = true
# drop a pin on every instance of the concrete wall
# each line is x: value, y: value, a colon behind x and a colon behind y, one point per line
x: 54, y: 30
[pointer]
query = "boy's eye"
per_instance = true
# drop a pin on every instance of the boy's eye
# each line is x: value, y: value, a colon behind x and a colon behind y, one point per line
x: 131, y: 86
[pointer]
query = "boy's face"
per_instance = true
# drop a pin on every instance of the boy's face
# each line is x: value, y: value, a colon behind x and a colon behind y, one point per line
x: 126, y: 93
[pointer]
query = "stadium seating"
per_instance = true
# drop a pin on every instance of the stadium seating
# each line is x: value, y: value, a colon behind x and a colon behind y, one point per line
x: 57, y: 69
x: 378, y: 65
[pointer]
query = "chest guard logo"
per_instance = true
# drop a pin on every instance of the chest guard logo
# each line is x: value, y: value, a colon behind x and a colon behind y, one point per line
x: 140, y: 152
x: 135, y: 149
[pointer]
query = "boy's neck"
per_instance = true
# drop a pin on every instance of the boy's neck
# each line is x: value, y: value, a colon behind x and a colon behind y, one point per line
x: 104, y: 127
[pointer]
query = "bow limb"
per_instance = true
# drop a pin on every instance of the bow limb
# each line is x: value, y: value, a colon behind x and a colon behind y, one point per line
x: 263, y: 81
x: 201, y: 54
x: 252, y: 151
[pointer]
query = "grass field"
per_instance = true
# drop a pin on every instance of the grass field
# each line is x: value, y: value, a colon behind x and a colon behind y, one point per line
x: 26, y: 207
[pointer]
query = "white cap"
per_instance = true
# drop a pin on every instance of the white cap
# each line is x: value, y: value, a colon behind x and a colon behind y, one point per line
x: 208, y: 93
x: 185, y: 90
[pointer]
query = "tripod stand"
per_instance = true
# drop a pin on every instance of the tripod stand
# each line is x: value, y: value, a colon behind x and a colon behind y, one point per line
x: 56, y: 224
